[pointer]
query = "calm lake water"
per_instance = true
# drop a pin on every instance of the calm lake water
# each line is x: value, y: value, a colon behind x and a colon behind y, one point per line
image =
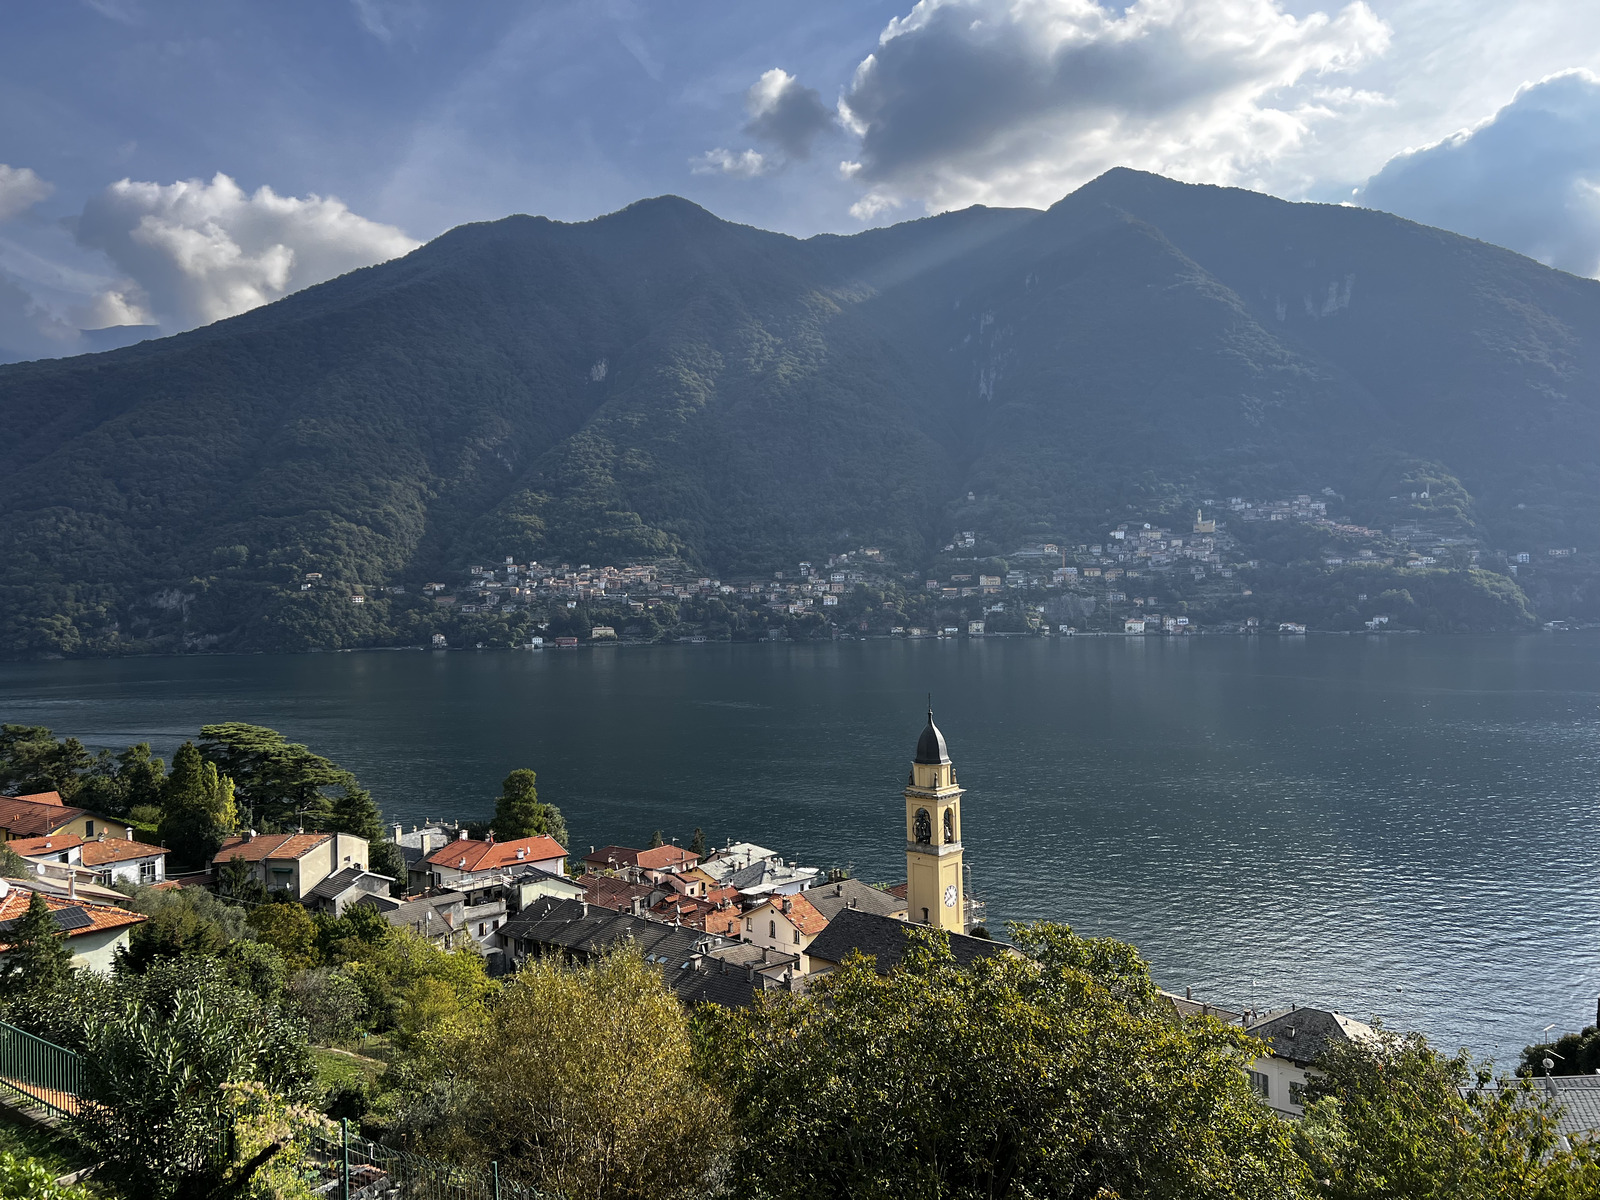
x: 1395, y: 825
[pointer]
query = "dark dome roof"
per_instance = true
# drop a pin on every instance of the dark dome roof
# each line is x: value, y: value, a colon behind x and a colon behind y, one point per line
x: 930, y: 746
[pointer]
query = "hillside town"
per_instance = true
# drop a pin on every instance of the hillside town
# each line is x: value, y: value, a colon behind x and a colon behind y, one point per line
x: 1153, y: 578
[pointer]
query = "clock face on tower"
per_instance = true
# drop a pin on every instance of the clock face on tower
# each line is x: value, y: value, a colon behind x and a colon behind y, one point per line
x: 950, y: 896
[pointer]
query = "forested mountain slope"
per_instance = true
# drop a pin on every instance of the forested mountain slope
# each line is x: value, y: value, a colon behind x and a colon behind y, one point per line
x: 658, y: 382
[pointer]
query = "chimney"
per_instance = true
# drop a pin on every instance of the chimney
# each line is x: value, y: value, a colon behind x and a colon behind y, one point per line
x: 249, y: 835
x: 72, y: 884
x: 488, y: 838
x: 461, y: 835
x: 750, y: 972
x: 130, y: 832
x: 838, y: 889
x: 1188, y: 993
x: 583, y: 908
x: 398, y: 831
x: 788, y: 904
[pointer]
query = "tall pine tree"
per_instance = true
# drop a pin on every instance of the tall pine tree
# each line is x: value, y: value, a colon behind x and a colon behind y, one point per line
x: 518, y: 812
x: 38, y: 954
x: 197, y: 809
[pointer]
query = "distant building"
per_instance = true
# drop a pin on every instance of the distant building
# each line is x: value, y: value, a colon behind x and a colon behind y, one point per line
x: 94, y: 932
x: 292, y: 862
x: 1297, y: 1038
x: 456, y: 863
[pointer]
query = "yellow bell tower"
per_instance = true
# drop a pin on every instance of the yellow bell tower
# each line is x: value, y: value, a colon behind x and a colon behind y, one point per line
x: 934, y: 894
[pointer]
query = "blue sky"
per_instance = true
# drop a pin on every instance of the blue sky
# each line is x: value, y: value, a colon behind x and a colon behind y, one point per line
x: 375, y: 124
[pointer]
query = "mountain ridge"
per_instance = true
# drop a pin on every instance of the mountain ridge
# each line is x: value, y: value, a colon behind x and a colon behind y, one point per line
x: 660, y: 383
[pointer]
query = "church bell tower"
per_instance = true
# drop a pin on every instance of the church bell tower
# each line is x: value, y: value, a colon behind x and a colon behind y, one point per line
x: 933, y: 837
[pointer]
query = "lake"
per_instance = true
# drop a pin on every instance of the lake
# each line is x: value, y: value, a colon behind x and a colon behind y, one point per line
x: 1395, y: 825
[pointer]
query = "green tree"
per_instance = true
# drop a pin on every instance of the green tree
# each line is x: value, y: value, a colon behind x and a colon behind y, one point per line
x: 289, y: 930
x: 37, y: 958
x: 157, y: 1065
x: 281, y: 784
x: 518, y: 812
x: 186, y: 921
x: 1054, y: 1073
x: 619, y: 1111
x: 12, y: 864
x: 115, y: 785
x: 353, y: 811
x: 656, y: 840
x: 236, y: 881
x: 1393, y: 1117
x: 698, y: 845
x: 197, y: 809
x: 33, y: 760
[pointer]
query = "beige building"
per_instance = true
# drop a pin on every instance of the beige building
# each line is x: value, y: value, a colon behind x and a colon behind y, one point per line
x: 94, y: 932
x: 786, y: 925
x: 295, y: 862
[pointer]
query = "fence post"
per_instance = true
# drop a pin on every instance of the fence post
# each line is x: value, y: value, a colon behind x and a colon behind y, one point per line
x: 344, y: 1140
x: 496, y: 1166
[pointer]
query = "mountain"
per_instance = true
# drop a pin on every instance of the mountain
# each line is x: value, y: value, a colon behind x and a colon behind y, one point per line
x: 660, y: 383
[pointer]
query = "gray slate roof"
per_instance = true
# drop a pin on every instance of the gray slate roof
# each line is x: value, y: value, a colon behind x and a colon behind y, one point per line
x: 342, y: 881
x: 586, y: 930
x: 1579, y: 1098
x: 710, y: 984
x: 830, y: 899
x: 884, y: 939
x: 1302, y: 1034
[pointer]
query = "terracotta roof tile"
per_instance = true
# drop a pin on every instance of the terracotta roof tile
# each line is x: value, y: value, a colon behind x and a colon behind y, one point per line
x: 801, y: 913
x: 607, y: 891
x: 269, y: 845
x: 22, y: 817
x: 52, y: 843
x: 51, y: 798
x: 664, y: 858
x: 99, y: 852
x: 496, y: 856
x: 77, y: 917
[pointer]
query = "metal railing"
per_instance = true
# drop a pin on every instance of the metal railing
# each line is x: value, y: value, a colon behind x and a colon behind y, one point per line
x: 352, y: 1168
x: 35, y: 1071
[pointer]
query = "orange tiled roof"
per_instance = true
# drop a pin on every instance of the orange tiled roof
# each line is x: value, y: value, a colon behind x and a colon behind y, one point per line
x: 21, y: 816
x: 100, y: 916
x: 664, y: 858
x: 53, y: 843
x: 724, y: 921
x: 110, y: 850
x: 51, y: 798
x: 495, y: 856
x: 269, y: 845
x: 802, y: 914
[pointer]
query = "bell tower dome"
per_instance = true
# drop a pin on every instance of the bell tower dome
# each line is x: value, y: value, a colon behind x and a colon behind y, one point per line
x: 934, y: 894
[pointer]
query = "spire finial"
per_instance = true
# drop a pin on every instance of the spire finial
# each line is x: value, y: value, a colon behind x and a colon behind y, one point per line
x: 930, y: 708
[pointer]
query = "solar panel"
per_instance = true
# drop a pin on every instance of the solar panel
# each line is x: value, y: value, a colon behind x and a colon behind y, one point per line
x: 72, y: 918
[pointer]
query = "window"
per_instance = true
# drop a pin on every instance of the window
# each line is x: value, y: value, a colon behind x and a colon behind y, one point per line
x: 482, y: 929
x: 749, y: 925
x: 1260, y: 1084
x: 796, y: 937
x: 924, y: 916
x: 1297, y: 1094
x: 88, y: 829
x: 147, y: 871
x: 772, y: 929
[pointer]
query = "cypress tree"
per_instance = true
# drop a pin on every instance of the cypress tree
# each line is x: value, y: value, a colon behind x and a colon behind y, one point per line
x: 518, y: 812
x: 197, y: 808
x: 38, y: 956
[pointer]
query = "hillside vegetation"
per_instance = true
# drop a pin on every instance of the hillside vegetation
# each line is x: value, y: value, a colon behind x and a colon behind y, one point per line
x: 659, y: 384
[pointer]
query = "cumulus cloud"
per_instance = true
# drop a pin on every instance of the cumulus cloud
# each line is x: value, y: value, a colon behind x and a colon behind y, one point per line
x: 195, y: 252
x: 782, y: 112
x: 785, y: 113
x: 1019, y: 101
x: 20, y: 190
x: 1527, y: 178
x: 741, y: 164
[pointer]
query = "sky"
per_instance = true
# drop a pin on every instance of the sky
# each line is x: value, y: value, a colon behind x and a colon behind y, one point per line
x: 167, y: 163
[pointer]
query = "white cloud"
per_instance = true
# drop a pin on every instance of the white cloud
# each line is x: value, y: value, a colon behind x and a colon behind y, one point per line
x: 195, y: 252
x: 1527, y: 178
x: 28, y: 329
x: 1019, y: 101
x: 741, y: 164
x: 783, y: 113
x: 20, y: 190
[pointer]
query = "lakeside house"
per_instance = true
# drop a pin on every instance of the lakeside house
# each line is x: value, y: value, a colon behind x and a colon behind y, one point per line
x: 458, y: 862
x: 292, y: 862
x: 94, y: 932
x: 1298, y: 1037
x: 41, y: 814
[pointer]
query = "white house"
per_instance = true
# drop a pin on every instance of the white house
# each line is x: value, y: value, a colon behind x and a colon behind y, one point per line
x: 456, y: 863
x: 123, y: 860
x: 1297, y: 1039
x: 94, y: 932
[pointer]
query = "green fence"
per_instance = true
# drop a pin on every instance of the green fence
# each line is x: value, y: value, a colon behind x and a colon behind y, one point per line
x: 36, y: 1072
x: 352, y: 1168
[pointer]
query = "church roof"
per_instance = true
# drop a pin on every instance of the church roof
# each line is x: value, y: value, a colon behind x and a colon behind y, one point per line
x: 930, y: 746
